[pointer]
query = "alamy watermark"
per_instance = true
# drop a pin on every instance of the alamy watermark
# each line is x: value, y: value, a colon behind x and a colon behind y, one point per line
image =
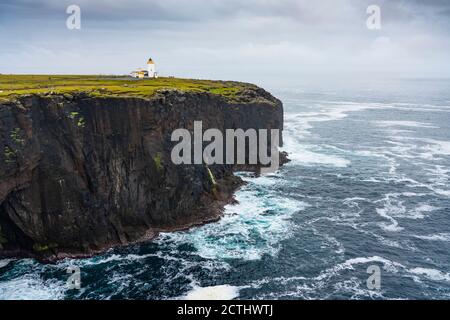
x: 74, y: 280
x: 373, y: 21
x: 374, y: 280
x: 73, y: 22
x: 241, y: 147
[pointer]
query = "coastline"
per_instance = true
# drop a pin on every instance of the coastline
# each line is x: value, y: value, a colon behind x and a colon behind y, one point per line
x: 213, y: 213
x: 82, y: 179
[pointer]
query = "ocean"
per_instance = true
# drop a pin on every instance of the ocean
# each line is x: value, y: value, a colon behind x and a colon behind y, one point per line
x: 368, y: 185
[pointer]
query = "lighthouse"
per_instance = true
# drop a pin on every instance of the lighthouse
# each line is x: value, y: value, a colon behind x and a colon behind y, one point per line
x: 151, y: 69
x: 143, y: 73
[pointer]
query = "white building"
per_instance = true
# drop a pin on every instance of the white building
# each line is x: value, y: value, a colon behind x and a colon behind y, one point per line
x: 143, y: 73
x: 151, y: 69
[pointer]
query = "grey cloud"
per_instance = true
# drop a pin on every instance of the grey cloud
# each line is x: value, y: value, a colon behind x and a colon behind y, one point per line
x: 201, y: 10
x: 226, y: 38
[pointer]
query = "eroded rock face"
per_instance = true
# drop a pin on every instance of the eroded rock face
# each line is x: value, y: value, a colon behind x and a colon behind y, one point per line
x: 80, y: 174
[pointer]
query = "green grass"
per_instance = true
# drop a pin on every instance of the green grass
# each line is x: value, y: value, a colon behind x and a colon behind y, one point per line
x: 158, y: 161
x: 213, y: 181
x: 9, y: 154
x: 16, y: 136
x: 42, y: 247
x: 110, y: 86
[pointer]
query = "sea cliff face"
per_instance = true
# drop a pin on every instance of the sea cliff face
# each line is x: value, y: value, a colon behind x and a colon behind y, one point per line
x: 80, y: 174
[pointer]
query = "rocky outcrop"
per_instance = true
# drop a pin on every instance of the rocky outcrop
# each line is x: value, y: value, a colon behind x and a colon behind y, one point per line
x: 80, y: 174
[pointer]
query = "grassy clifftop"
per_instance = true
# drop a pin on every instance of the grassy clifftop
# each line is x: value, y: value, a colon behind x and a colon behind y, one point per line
x: 109, y: 86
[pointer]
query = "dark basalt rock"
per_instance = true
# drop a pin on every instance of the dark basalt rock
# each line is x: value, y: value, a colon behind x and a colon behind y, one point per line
x: 80, y: 174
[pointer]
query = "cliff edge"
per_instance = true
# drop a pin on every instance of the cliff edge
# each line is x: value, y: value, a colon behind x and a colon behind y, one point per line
x: 82, y: 173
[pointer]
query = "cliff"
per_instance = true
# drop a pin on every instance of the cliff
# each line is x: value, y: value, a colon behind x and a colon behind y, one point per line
x: 81, y: 173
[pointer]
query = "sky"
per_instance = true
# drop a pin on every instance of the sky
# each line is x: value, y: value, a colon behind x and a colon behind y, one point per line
x: 246, y: 40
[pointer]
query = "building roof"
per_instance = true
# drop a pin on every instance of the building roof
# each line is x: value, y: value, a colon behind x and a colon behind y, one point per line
x: 139, y: 70
x: 150, y: 61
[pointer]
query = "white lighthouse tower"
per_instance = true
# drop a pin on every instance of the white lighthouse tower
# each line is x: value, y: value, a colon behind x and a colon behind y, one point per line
x: 151, y: 69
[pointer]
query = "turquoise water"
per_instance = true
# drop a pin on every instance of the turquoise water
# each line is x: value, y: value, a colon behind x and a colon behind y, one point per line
x: 368, y: 184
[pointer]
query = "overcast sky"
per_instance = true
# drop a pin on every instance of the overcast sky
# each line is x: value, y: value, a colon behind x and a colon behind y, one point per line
x: 245, y: 40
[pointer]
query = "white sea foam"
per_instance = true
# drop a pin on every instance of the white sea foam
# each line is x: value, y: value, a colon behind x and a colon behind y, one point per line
x: 308, y: 287
x: 442, y: 192
x: 5, y: 262
x: 304, y: 155
x: 438, y: 147
x: 436, y: 237
x: 356, y: 289
x: 353, y: 202
x: 439, y: 175
x: 299, y: 125
x: 222, y: 292
x: 301, y: 122
x: 417, y: 150
x: 431, y: 274
x: 413, y: 124
x: 394, y: 207
x: 249, y: 229
x: 31, y: 287
x: 104, y: 259
x: 420, y: 211
x: 388, y: 265
x: 314, y: 284
x: 389, y: 209
x: 429, y: 149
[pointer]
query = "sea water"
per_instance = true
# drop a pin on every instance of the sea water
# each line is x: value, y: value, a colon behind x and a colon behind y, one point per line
x: 368, y: 185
